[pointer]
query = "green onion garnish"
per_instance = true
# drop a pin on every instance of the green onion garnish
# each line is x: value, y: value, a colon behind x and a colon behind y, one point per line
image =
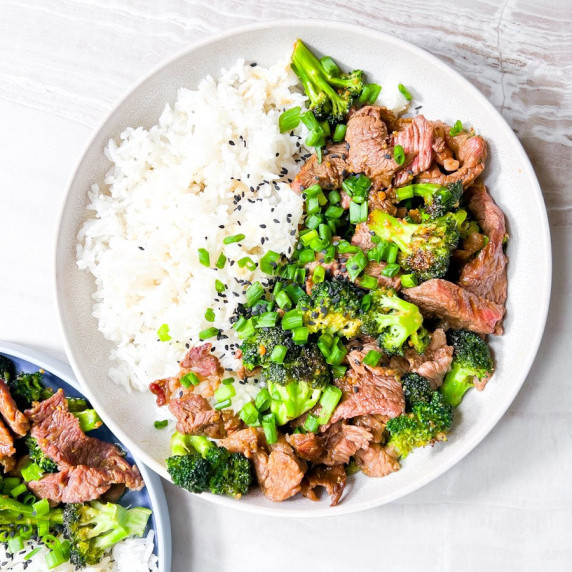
x: 313, y: 221
x: 391, y: 253
x: 328, y: 402
x: 370, y: 93
x: 456, y: 129
x: 219, y: 286
x: 269, y: 427
x: 189, y: 379
x: 210, y: 315
x: 289, y: 120
x: 278, y: 353
x: 356, y: 264
x: 391, y: 270
x: 409, y: 280
x: 15, y: 544
x: 319, y: 274
x: 208, y: 333
x: 42, y: 507
x: 312, y: 205
x: 292, y: 319
x: 404, y: 91
x: 339, y: 370
x: 253, y: 293
x: 244, y: 328
x: 267, y: 320
x: 32, y: 472
x: 325, y: 342
x: 161, y: 424
x: 269, y: 262
x: 311, y: 424
x: 372, y: 358
x: 312, y: 191
x: 249, y: 414
x: 399, y: 154
x: 334, y: 197
x: 339, y: 133
x: 367, y: 281
x: 262, y: 400
x: 315, y: 138
x: 358, y: 213
x: 88, y: 419
x: 325, y: 232
x: 227, y: 380
x: 163, y: 333
x: 357, y: 186
x: 220, y: 261
x: 234, y: 238
x: 334, y: 212
x: 246, y: 261
x: 300, y: 335
x: 306, y: 255
x: 32, y: 553
x: 204, y: 257
x: 283, y: 300
x: 365, y: 303
x: 222, y: 404
x: 224, y: 392
x: 294, y: 292
x: 337, y: 353
x: 344, y: 247
x: 17, y: 491
x: 307, y: 237
x: 309, y: 120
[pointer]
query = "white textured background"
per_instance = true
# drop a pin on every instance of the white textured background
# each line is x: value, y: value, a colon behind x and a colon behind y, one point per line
x: 508, y: 506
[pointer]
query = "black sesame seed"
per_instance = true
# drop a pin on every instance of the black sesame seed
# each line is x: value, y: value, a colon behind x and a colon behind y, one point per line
x: 232, y: 143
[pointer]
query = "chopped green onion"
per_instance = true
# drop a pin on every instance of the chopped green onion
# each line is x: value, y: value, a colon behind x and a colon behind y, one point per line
x: 300, y: 275
x: 404, y: 91
x: 456, y: 129
x: 204, y: 257
x: 339, y: 370
x: 244, y: 328
x: 378, y: 252
x: 28, y: 499
x: 189, y: 379
x: 370, y: 93
x: 319, y: 244
x: 344, y: 247
x: 300, y: 335
x: 409, y: 280
x: 399, y: 154
x: 339, y: 133
x: 88, y: 419
x: 54, y: 558
x: 358, y: 213
x: 391, y: 253
x: 325, y: 342
x: 356, y: 264
x: 292, y: 319
x: 334, y: 212
x: 277, y: 287
x: 357, y: 185
x: 227, y: 380
x: 306, y: 255
x: 289, y: 120
x: 313, y: 221
x: 41, y: 507
x: 312, y: 205
x: 295, y: 292
x: 224, y: 392
x: 337, y: 353
x: 372, y: 358
x: 311, y: 424
x: 222, y: 404
x: 32, y: 553
x: 283, y: 300
x: 325, y: 128
x: 391, y: 270
x: 249, y: 414
x: 219, y: 286
x: 210, y: 315
x: 43, y: 528
x: 163, y: 333
x: 367, y: 281
x: 17, y: 491
x: 312, y: 191
x: 269, y: 262
x: 315, y: 138
x: 329, y: 254
x: 278, y: 353
x: 234, y: 238
x: 267, y: 320
x: 262, y: 400
x: 15, y: 544
x: 334, y: 197
x: 330, y: 66
x: 325, y: 232
x: 161, y: 424
x: 220, y: 261
x: 309, y: 120
x: 269, y: 427
x: 328, y: 402
x: 9, y: 483
x: 307, y: 238
x: 32, y: 472
x: 208, y: 333
x: 253, y: 293
x: 365, y: 303
x: 248, y: 262
x: 319, y: 274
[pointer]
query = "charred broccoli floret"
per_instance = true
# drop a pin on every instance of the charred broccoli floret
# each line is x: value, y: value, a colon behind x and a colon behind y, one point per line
x: 472, y: 361
x: 393, y: 322
x: 427, y: 423
x: 416, y: 389
x: 438, y: 199
x: 198, y: 465
x: 92, y: 528
x: 334, y: 308
x: 257, y: 349
x: 424, y: 249
x: 6, y: 368
x: 37, y: 455
x: 27, y: 388
x: 330, y: 92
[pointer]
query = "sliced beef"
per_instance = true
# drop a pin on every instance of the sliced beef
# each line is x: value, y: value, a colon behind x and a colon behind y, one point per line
x: 416, y: 139
x: 369, y: 393
x: 341, y: 441
x: 375, y: 461
x: 370, y: 152
x: 333, y: 479
x: 485, y: 275
x: 460, y: 308
x: 469, y: 246
x: 442, y: 153
x: 15, y: 419
x: 329, y: 174
x: 61, y: 439
x: 195, y: 416
x: 7, y: 450
x: 75, y: 484
x: 362, y: 237
x: 375, y: 424
x: 307, y: 446
x: 200, y: 360
x: 375, y: 269
x: 246, y: 441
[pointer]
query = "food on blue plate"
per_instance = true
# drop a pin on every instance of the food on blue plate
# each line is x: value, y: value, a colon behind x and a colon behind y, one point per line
x: 59, y: 488
x: 309, y: 332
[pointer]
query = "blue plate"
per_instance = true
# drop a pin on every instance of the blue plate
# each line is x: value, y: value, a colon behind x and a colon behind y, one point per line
x: 57, y: 374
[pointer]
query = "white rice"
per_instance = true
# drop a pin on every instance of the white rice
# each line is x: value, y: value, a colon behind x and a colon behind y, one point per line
x: 129, y: 555
x: 172, y: 190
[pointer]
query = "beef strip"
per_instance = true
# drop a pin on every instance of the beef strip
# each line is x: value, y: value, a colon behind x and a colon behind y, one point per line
x: 442, y: 153
x: 7, y: 450
x: 341, y: 441
x: 375, y: 424
x: 362, y: 237
x: 195, y: 416
x: 61, y: 439
x: 246, y: 441
x: 460, y: 308
x: 485, y: 275
x: 329, y: 174
x: 416, y: 138
x: 307, y: 446
x: 370, y: 152
x: 375, y: 461
x: 333, y: 479
x: 15, y: 419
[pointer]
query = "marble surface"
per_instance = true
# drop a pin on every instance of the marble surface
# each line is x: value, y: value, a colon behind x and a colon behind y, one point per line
x: 508, y: 505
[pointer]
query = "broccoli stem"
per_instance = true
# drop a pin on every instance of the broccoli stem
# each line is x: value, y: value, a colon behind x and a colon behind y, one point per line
x: 391, y: 229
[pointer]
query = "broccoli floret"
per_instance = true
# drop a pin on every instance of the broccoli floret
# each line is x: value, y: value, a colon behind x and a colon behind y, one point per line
x: 438, y: 200
x: 92, y: 528
x: 424, y: 249
x: 27, y: 388
x: 427, y: 423
x: 198, y: 465
x: 36, y: 455
x: 416, y: 389
x: 472, y: 361
x: 15, y: 514
x: 6, y: 368
x: 257, y: 349
x: 392, y: 321
x: 330, y: 93
x: 334, y: 308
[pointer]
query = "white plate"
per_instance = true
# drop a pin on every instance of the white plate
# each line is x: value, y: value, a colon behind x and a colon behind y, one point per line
x: 152, y: 496
x: 445, y: 95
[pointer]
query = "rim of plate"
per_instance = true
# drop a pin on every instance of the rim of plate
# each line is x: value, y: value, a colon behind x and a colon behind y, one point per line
x: 152, y: 480
x: 476, y: 436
